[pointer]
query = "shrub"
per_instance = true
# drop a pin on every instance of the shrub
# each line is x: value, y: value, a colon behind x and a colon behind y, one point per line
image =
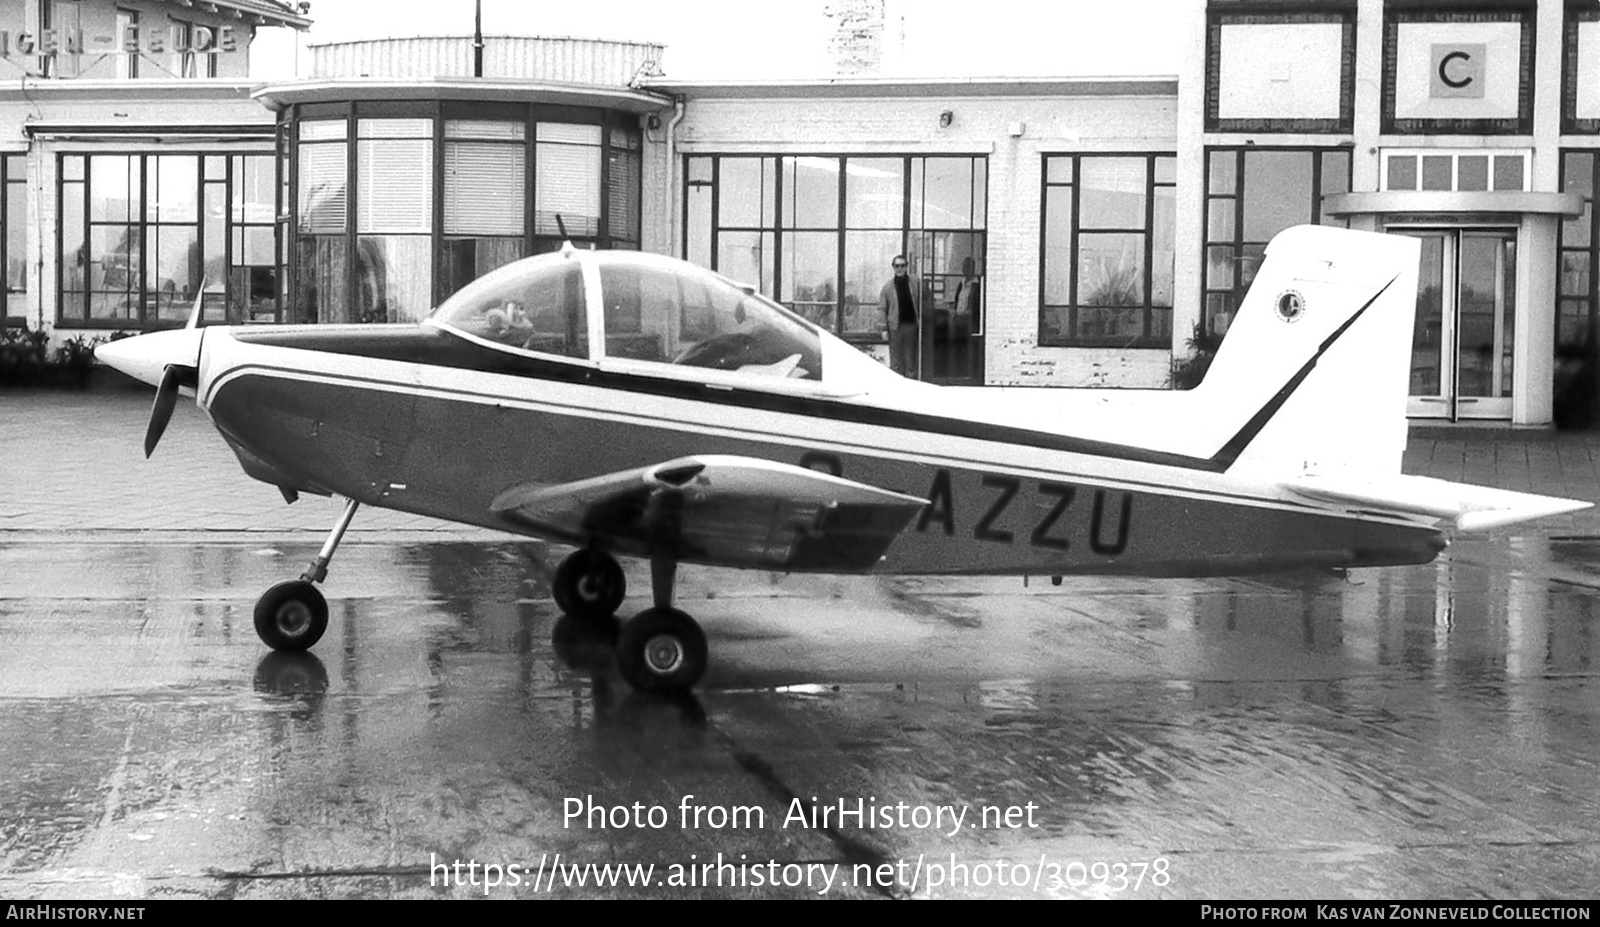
x: 1189, y: 371
x: 26, y: 359
x: 75, y: 357
x: 23, y: 355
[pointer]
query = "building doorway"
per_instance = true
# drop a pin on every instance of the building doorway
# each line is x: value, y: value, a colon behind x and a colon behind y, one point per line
x: 951, y: 264
x: 1465, y: 329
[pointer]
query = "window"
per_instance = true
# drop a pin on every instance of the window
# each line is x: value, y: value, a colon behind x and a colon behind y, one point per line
x: 1577, y: 291
x: 1107, y: 258
x: 808, y: 241
x: 1253, y: 194
x: 172, y: 235
x: 693, y: 319
x: 254, y: 271
x: 440, y: 194
x: 394, y: 220
x: 322, y: 216
x: 127, y: 62
x: 143, y: 236
x: 820, y: 231
x: 874, y: 197
x: 624, y: 179
x: 566, y: 194
x: 537, y: 306
x: 64, y: 19
x: 1455, y: 171
x: 733, y: 218
x: 15, y: 241
x: 112, y: 258
x: 483, y: 227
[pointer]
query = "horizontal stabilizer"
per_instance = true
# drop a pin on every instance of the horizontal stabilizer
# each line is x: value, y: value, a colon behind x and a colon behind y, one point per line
x: 1468, y: 508
x: 734, y: 511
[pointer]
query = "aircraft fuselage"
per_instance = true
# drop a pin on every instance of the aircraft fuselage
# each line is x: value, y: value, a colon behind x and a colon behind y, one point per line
x: 414, y: 419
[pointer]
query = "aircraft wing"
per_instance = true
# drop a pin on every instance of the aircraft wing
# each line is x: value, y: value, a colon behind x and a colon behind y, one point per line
x: 1468, y: 508
x: 726, y: 510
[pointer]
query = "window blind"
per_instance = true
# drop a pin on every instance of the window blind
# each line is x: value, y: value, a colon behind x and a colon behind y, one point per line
x: 567, y: 183
x: 394, y: 189
x: 485, y: 188
x: 322, y: 188
x: 622, y: 195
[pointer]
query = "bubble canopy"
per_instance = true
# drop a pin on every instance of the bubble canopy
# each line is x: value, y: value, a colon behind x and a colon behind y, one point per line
x: 649, y: 308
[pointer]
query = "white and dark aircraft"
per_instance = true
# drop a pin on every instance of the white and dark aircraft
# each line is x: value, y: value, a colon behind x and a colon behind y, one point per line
x: 634, y: 405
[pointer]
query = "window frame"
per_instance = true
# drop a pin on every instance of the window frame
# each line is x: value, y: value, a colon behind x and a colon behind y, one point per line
x: 7, y: 179
x: 1148, y: 338
x: 1235, y: 292
x: 190, y: 64
x: 776, y: 226
x: 147, y: 317
x: 126, y: 60
x: 529, y: 115
x: 1591, y: 252
x: 1387, y: 155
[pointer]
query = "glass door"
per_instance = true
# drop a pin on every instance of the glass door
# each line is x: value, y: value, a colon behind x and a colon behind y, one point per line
x: 950, y: 264
x: 1462, y: 344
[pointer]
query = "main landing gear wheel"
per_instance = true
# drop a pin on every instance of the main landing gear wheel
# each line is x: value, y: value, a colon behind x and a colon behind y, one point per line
x: 291, y: 615
x: 589, y: 584
x: 661, y: 650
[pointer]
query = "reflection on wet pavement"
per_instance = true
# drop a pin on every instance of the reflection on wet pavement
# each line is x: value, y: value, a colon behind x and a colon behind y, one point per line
x: 1418, y: 732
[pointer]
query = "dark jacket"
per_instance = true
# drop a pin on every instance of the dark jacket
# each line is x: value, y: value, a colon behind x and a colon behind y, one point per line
x: 890, y: 306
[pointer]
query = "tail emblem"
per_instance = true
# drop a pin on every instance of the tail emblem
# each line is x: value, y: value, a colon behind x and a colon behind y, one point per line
x: 1291, y: 305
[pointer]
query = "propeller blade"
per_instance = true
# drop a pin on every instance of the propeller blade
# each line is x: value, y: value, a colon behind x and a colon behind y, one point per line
x: 161, y: 412
x: 199, y: 298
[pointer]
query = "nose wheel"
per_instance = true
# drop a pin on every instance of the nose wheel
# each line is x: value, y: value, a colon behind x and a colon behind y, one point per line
x: 293, y: 614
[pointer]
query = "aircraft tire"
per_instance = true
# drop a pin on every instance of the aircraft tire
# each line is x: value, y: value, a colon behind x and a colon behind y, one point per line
x: 291, y: 615
x: 662, y: 650
x: 589, y: 584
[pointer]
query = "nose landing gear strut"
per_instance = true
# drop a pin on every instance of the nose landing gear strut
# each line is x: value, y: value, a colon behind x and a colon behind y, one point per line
x: 293, y: 614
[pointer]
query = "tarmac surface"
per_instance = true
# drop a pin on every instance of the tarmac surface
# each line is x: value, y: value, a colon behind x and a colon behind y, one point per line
x: 1420, y: 732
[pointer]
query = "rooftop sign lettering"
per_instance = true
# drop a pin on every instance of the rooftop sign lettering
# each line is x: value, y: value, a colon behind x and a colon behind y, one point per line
x: 46, y: 43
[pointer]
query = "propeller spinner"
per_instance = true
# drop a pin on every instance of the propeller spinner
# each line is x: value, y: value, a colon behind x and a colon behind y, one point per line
x: 165, y: 360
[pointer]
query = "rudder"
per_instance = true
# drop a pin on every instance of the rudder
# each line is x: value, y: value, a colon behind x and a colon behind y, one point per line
x: 1315, y: 371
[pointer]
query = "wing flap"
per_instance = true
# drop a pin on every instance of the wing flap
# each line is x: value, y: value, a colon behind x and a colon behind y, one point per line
x: 735, y: 511
x: 1468, y: 508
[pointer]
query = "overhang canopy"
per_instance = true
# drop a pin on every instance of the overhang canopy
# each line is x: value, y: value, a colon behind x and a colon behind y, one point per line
x: 255, y: 12
x: 1433, y: 202
x: 277, y: 96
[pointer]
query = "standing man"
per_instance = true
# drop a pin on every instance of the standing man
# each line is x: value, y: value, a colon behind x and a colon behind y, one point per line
x: 898, y: 301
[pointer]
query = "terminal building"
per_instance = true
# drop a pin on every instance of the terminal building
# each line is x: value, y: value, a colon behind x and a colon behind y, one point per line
x: 1073, y: 232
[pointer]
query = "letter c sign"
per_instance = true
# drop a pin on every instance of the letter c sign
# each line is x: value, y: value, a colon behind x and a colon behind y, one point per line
x: 1458, y: 71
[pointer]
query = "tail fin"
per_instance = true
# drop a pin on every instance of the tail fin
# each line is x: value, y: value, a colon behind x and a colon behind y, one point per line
x: 1317, y: 362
